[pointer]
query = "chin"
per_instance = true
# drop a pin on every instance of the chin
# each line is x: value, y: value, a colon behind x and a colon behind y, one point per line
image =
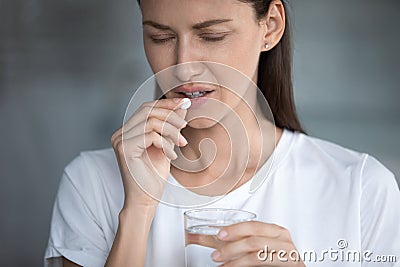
x: 202, y: 123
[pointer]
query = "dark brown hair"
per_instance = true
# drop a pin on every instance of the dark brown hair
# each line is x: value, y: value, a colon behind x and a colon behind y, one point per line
x: 275, y: 73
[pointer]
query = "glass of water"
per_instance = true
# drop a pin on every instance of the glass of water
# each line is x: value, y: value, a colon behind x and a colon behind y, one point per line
x: 201, y: 229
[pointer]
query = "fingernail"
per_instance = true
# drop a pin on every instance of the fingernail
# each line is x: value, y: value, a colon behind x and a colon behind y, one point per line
x: 175, y: 156
x: 182, y: 140
x: 184, y: 124
x: 222, y: 234
x: 186, y: 103
x: 215, y: 255
x: 177, y: 100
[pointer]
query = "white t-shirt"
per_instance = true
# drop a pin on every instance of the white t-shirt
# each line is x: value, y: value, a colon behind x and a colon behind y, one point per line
x: 328, y: 197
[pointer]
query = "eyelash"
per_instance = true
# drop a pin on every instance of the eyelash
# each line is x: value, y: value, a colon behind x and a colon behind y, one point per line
x: 205, y: 38
x: 214, y: 39
x: 161, y: 41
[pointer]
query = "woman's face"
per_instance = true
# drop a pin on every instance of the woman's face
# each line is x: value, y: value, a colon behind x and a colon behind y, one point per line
x: 180, y: 31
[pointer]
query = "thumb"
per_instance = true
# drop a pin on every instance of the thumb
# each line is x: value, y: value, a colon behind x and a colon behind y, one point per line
x: 182, y: 111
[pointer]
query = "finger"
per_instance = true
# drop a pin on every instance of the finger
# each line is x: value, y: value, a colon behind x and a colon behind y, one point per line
x: 116, y: 135
x: 239, y: 248
x: 169, y: 103
x: 176, y: 118
x: 181, y: 113
x: 241, y: 230
x: 135, y: 147
x: 168, y: 148
x: 156, y: 140
x: 163, y: 128
x: 249, y: 260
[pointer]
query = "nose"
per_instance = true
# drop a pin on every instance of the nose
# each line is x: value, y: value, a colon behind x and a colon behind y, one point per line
x: 187, y: 62
x: 188, y: 71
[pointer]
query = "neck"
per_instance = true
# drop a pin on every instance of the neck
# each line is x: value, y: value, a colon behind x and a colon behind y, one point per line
x: 229, y: 153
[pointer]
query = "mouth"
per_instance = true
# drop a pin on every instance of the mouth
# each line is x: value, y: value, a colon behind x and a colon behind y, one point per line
x: 195, y: 94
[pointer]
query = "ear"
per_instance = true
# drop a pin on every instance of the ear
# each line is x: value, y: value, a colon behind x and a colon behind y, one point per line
x: 274, y: 24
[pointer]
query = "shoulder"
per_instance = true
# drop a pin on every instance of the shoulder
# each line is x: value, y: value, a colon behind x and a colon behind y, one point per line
x: 85, y: 213
x: 378, y: 182
x: 89, y: 159
x: 92, y: 162
x: 326, y: 152
x: 95, y: 171
x: 336, y: 162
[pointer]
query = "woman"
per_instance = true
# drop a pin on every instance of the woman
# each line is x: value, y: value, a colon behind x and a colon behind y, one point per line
x: 315, y: 195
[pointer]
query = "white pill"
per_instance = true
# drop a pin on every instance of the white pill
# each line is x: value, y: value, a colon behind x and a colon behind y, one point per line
x: 186, y: 103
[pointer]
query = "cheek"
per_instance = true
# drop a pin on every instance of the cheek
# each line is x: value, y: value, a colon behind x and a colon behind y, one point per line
x: 241, y: 55
x: 247, y: 58
x: 159, y: 57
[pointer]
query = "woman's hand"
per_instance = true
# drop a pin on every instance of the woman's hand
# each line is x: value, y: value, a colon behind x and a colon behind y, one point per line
x: 144, y: 148
x: 245, y: 244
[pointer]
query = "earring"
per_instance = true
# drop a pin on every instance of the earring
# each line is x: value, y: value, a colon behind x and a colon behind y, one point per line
x: 266, y: 45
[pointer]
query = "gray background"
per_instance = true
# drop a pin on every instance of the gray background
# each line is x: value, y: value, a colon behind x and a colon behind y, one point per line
x: 69, y: 67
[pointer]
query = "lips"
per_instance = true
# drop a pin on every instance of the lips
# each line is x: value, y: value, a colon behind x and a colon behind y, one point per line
x: 197, y: 94
x: 193, y: 92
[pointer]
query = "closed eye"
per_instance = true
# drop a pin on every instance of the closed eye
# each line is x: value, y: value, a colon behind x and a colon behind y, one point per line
x: 213, y: 37
x: 160, y: 39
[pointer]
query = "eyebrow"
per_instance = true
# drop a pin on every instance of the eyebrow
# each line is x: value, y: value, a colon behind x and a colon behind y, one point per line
x: 197, y: 26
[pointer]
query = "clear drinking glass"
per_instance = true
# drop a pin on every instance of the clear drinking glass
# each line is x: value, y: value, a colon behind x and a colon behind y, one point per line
x: 201, y: 228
